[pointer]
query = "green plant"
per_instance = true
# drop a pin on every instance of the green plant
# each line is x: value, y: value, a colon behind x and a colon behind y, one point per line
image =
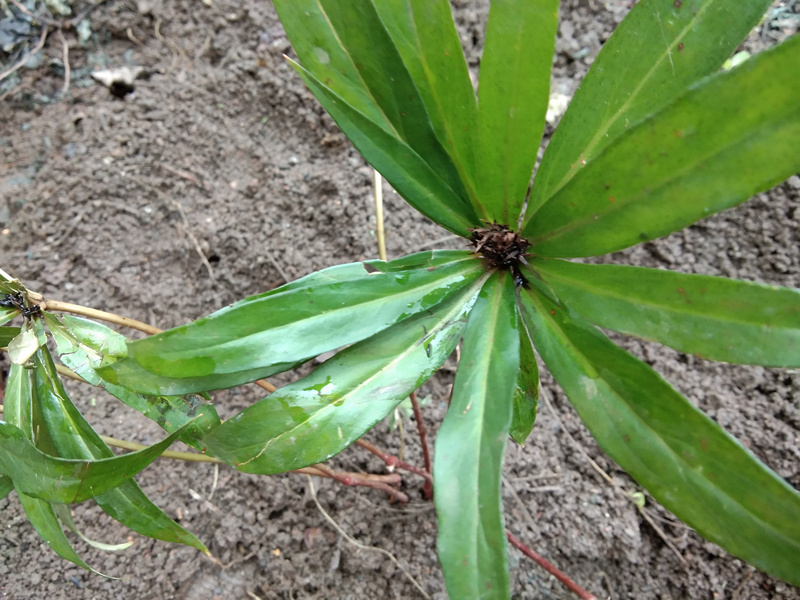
x: 655, y: 139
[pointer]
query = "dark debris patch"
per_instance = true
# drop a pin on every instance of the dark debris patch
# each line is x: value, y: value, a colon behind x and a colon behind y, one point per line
x: 502, y: 248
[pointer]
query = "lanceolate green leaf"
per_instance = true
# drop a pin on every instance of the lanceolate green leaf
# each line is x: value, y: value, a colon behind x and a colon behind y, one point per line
x: 686, y: 461
x: 266, y: 334
x: 470, y: 446
x: 312, y: 419
x: 73, y: 437
x: 526, y: 394
x: 731, y: 136
x: 712, y: 317
x: 43, y: 518
x: 18, y: 412
x: 64, y: 480
x: 352, y: 35
x: 661, y: 48
x: 417, y: 181
x: 513, y: 95
x: 83, y: 345
x: 425, y: 35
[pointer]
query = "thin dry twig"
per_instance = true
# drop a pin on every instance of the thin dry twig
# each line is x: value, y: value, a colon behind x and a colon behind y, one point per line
x: 356, y: 479
x: 276, y: 264
x: 545, y: 564
x: 39, y: 45
x: 188, y: 231
x: 184, y: 174
x: 357, y: 544
x: 427, y: 488
x: 738, y: 591
x: 379, y: 231
x: 392, y: 461
x: 65, y: 59
x: 100, y: 315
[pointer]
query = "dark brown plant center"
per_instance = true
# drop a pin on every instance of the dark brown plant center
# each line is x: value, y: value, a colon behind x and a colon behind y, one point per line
x: 501, y: 247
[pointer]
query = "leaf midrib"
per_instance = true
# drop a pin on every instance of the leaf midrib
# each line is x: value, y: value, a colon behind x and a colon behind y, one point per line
x: 698, y: 477
x: 446, y: 321
x: 603, y: 130
x: 673, y: 177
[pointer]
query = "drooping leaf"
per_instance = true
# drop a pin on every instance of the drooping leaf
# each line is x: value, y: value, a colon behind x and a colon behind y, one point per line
x: 513, y: 96
x: 731, y: 136
x: 713, y: 317
x: 425, y: 36
x: 18, y: 412
x: 82, y: 345
x: 526, y: 394
x: 685, y: 460
x: 408, y: 173
x: 470, y: 446
x: 73, y: 437
x: 659, y: 50
x: 346, y: 46
x: 314, y: 418
x: 65, y: 516
x: 64, y: 480
x: 42, y: 516
x: 269, y: 333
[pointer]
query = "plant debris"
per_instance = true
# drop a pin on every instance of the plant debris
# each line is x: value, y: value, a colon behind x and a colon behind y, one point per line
x: 501, y: 247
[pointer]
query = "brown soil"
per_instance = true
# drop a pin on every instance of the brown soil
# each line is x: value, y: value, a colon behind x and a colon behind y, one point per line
x: 221, y: 155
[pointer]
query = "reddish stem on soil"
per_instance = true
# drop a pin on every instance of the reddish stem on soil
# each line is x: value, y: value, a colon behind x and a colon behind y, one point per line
x: 568, y: 583
x: 356, y: 479
x: 392, y: 461
x: 427, y: 489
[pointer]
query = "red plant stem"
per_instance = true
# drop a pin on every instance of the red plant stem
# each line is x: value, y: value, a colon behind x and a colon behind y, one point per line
x: 392, y: 461
x: 356, y: 479
x: 568, y: 583
x: 427, y: 488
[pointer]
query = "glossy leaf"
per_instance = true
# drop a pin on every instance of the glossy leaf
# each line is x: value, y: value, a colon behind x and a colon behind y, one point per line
x: 470, y: 447
x: 513, y: 95
x: 713, y: 317
x: 65, y: 480
x: 425, y: 35
x: 18, y: 412
x: 18, y: 400
x: 353, y: 67
x: 42, y: 516
x: 365, y: 39
x: 82, y: 345
x: 684, y: 459
x: 73, y: 437
x: 659, y: 50
x: 269, y: 333
x: 526, y: 394
x: 408, y: 173
x: 731, y: 136
x: 313, y: 419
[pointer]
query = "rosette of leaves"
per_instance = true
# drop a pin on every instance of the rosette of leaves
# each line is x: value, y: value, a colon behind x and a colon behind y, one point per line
x: 656, y: 138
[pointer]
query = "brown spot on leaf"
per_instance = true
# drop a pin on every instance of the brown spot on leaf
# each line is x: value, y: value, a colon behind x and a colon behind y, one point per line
x: 680, y: 46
